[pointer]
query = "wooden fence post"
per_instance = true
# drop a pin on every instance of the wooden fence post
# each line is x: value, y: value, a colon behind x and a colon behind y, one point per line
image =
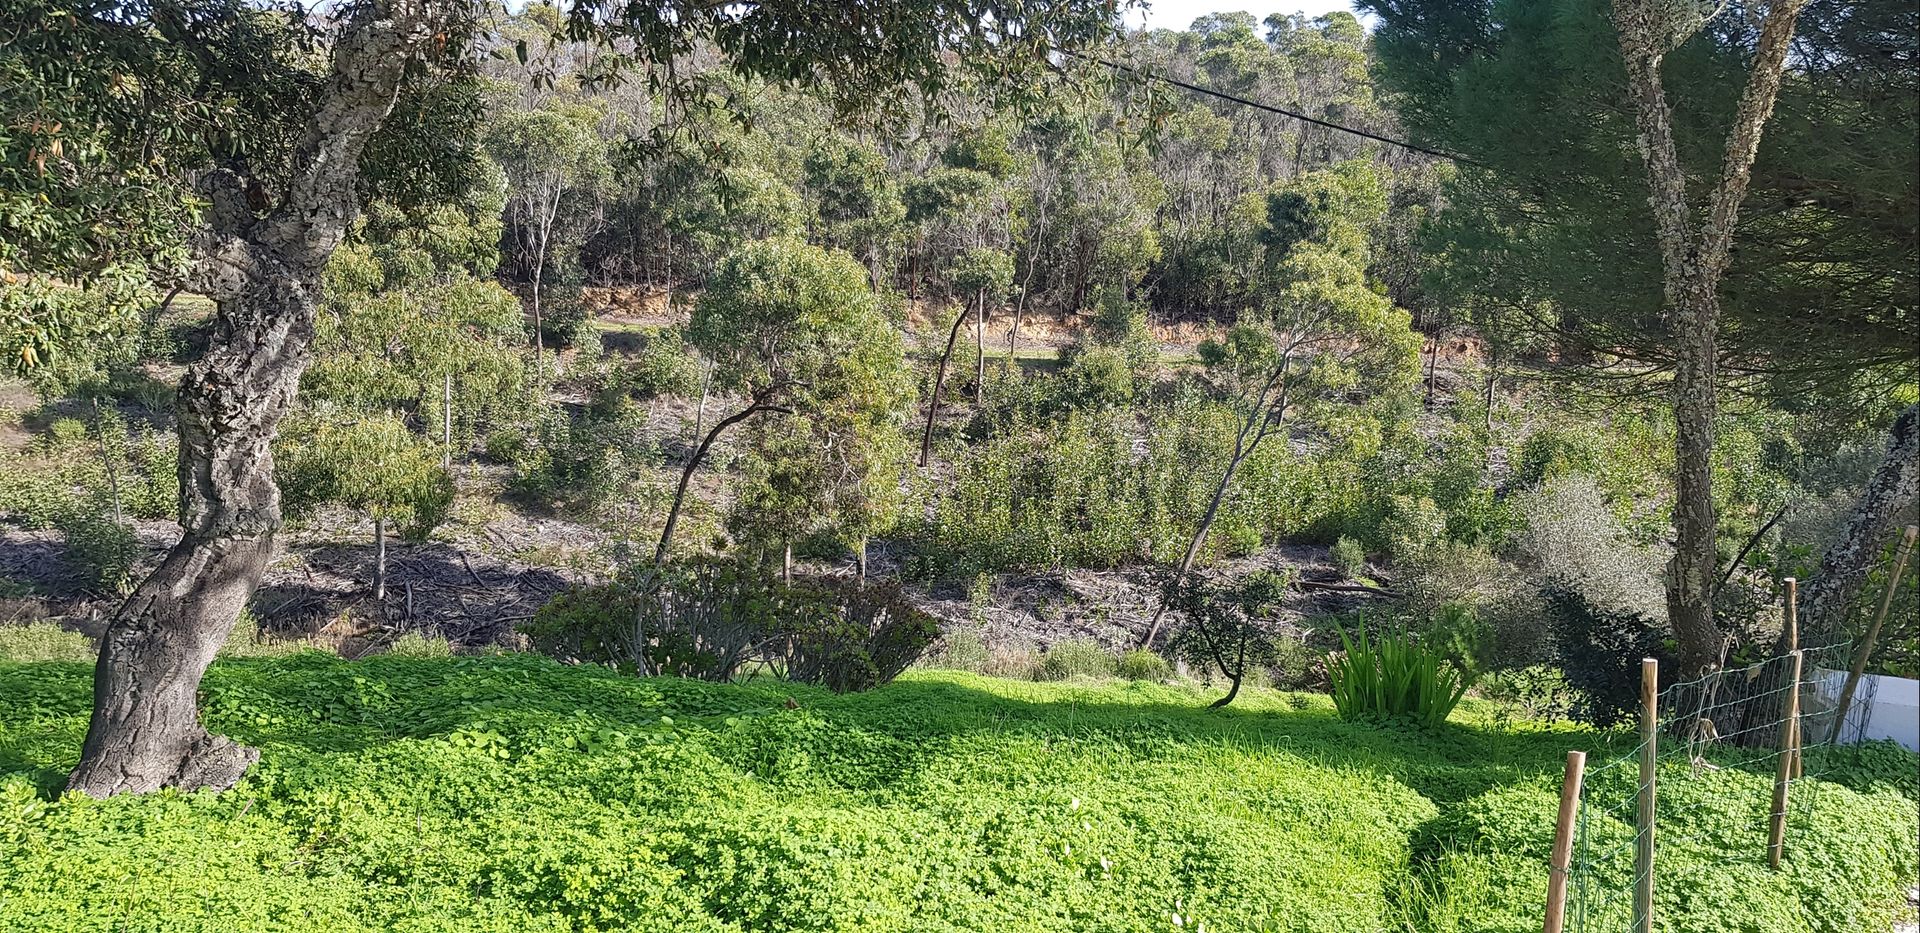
x: 1793, y: 645
x: 1563, y: 842
x: 1789, y: 739
x: 1865, y: 651
x: 1643, y: 815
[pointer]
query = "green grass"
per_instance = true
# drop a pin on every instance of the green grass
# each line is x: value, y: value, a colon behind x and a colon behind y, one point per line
x: 511, y: 793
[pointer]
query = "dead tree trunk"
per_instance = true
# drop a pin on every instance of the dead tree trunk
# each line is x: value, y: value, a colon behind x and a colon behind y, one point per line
x: 939, y: 382
x: 264, y: 277
x: 1693, y: 265
x: 1894, y: 488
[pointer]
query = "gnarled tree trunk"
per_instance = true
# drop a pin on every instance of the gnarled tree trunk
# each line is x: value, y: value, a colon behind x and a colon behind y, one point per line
x: 1693, y: 263
x: 1894, y: 488
x: 264, y: 277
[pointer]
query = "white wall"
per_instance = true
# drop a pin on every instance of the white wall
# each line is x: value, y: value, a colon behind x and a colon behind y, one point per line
x: 1883, y: 707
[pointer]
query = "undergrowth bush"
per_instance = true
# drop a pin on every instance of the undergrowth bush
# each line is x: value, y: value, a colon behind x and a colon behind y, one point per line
x: 710, y: 620
x: 1141, y: 664
x: 1073, y: 658
x: 43, y: 641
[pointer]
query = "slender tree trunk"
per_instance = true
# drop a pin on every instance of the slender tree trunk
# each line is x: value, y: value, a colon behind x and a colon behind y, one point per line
x: 1892, y: 491
x: 1486, y: 414
x: 446, y: 423
x: 979, y: 345
x: 264, y: 277
x: 1238, y: 674
x: 939, y: 382
x: 380, y: 560
x: 786, y: 562
x: 108, y: 464
x: 539, y: 338
x: 1433, y: 364
x: 860, y: 560
x: 1260, y: 422
x: 706, y: 385
x: 1693, y: 265
x: 1199, y: 541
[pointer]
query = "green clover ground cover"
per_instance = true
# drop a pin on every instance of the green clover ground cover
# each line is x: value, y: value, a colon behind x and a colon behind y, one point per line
x: 512, y: 793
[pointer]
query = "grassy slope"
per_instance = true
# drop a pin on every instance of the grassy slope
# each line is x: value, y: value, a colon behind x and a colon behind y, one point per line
x: 512, y: 793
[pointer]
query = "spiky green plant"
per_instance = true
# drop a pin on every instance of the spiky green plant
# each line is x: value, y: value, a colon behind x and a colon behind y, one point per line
x: 1393, y: 678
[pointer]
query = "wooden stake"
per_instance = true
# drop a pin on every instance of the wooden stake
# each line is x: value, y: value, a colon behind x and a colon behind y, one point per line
x: 1793, y: 645
x: 1563, y: 842
x: 1865, y: 651
x: 1789, y: 734
x: 1643, y: 815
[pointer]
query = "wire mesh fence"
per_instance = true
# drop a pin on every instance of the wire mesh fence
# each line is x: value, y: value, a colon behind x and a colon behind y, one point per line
x: 1720, y: 771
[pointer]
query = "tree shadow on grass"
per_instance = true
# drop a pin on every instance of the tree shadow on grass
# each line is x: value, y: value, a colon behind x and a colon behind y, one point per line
x: 316, y: 703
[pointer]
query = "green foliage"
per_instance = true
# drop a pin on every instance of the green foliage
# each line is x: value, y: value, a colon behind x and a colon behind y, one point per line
x: 663, y: 366
x: 396, y: 339
x: 35, y: 642
x: 1563, y: 247
x: 783, y: 316
x: 587, y: 459
x: 371, y: 465
x: 1141, y: 664
x: 1392, y: 678
x: 1076, y: 658
x: 852, y: 636
x: 104, y: 550
x: 1349, y: 556
x: 709, y: 620
x: 1228, y: 626
x: 1600, y: 648
x: 512, y: 793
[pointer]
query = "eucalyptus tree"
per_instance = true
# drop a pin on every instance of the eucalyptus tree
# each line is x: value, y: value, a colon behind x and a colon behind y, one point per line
x: 982, y: 272
x: 371, y: 464
x: 1320, y: 333
x: 793, y: 329
x: 226, y: 148
x: 556, y: 166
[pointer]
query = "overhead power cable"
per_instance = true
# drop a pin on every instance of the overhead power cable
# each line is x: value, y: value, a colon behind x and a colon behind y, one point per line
x: 1231, y: 98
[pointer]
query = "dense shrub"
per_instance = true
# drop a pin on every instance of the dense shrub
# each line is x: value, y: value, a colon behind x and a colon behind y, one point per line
x: 1073, y: 658
x: 848, y: 636
x: 665, y: 365
x: 1227, y: 626
x: 1349, y: 557
x: 43, y: 641
x: 586, y: 459
x: 1600, y: 649
x: 1083, y: 491
x: 1141, y: 664
x: 103, y: 550
x: 710, y: 619
x: 1573, y: 541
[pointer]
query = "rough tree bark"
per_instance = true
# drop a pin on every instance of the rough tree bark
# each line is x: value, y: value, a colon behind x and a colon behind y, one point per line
x: 263, y: 275
x: 1693, y: 266
x: 1894, y: 488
